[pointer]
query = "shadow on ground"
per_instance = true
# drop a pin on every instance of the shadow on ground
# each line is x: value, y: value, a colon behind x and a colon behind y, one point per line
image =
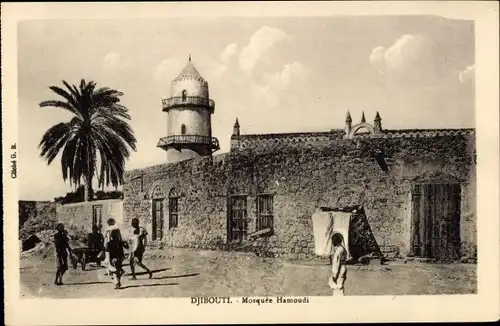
x: 86, y: 283
x: 145, y: 273
x: 147, y: 285
x: 176, y: 276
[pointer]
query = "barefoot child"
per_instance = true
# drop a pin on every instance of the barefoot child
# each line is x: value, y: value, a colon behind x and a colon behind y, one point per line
x: 339, y: 269
x: 95, y: 242
x: 62, y: 249
x: 116, y: 254
x: 138, y: 239
x: 111, y: 226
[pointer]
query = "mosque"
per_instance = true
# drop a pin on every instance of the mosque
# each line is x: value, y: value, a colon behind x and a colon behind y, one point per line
x: 416, y: 187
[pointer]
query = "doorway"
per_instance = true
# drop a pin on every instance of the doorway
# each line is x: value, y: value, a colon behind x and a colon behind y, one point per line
x: 97, y: 216
x: 237, y: 219
x: 436, y: 220
x: 157, y: 220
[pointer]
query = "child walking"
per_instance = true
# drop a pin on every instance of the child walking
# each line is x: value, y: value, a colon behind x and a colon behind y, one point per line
x: 62, y: 249
x: 107, y: 237
x: 116, y: 254
x: 138, y: 239
x: 95, y: 241
x: 339, y: 268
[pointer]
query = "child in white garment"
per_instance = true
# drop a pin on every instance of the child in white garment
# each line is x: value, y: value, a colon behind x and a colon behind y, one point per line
x: 339, y: 268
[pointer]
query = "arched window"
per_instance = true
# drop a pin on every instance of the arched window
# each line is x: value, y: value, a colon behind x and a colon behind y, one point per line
x: 157, y: 212
x: 158, y: 193
x: 184, y: 95
x: 183, y: 129
x: 362, y: 126
x: 362, y: 130
x: 173, y: 209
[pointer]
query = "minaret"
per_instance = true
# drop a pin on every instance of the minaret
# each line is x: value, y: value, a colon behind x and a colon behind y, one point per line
x: 236, y: 128
x: 235, y: 137
x: 363, y: 119
x: 377, y: 123
x: 189, y: 108
x: 348, y: 123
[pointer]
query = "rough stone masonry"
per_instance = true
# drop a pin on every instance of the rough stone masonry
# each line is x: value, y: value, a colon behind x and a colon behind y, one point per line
x: 300, y: 176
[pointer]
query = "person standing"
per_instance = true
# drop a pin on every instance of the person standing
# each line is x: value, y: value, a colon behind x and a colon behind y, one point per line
x: 139, y: 240
x: 95, y: 242
x: 116, y: 255
x: 339, y: 267
x: 62, y: 248
x: 107, y: 237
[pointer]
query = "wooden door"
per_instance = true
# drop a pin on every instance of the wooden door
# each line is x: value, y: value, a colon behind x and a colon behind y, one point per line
x: 237, y: 222
x: 436, y: 221
x: 157, y: 220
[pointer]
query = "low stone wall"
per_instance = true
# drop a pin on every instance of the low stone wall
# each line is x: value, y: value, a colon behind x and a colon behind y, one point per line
x: 78, y: 216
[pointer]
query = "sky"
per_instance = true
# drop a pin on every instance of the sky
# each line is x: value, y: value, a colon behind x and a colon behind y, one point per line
x: 273, y: 74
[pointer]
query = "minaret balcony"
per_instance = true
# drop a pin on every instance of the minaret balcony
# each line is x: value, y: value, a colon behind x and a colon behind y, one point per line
x: 186, y: 101
x: 195, y: 142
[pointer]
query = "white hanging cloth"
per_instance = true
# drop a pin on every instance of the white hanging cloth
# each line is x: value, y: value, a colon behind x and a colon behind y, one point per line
x: 325, y: 224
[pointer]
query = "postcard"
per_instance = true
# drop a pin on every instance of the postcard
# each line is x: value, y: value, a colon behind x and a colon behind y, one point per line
x: 250, y: 162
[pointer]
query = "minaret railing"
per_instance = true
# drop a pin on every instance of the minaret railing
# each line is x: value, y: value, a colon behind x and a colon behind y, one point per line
x: 187, y: 100
x: 189, y: 139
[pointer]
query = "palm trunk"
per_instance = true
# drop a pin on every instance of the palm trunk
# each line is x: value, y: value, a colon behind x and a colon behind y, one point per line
x: 89, y: 192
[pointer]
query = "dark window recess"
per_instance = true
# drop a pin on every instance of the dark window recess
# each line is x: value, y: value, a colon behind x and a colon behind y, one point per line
x: 380, y: 158
x: 97, y: 216
x: 238, y: 223
x: 173, y: 211
x: 183, y: 129
x: 173, y: 208
x: 264, y: 212
x: 142, y: 182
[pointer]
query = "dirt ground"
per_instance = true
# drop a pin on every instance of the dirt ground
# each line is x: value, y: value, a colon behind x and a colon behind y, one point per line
x: 185, y: 273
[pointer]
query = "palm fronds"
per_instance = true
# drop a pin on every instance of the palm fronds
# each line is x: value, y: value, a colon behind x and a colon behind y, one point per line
x: 99, y: 131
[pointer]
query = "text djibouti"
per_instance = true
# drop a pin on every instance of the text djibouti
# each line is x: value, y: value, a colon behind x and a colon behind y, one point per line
x: 210, y: 300
x: 249, y: 300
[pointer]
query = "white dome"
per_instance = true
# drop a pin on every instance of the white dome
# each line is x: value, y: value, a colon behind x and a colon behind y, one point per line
x: 189, y: 82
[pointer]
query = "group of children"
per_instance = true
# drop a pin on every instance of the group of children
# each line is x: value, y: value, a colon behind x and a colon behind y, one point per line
x: 114, y: 250
x: 115, y: 255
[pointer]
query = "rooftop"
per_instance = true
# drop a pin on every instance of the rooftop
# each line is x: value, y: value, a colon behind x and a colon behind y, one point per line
x: 390, y: 133
x: 189, y: 72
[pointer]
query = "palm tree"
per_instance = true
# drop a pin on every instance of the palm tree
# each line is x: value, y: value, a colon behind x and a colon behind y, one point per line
x: 97, y: 131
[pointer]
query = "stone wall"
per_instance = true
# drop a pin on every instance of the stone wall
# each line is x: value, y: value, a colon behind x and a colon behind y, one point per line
x: 35, y: 216
x: 78, y: 216
x: 341, y: 172
x: 202, y: 203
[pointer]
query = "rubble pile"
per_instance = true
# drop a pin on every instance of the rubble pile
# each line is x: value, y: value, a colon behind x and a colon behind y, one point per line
x: 42, y: 243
